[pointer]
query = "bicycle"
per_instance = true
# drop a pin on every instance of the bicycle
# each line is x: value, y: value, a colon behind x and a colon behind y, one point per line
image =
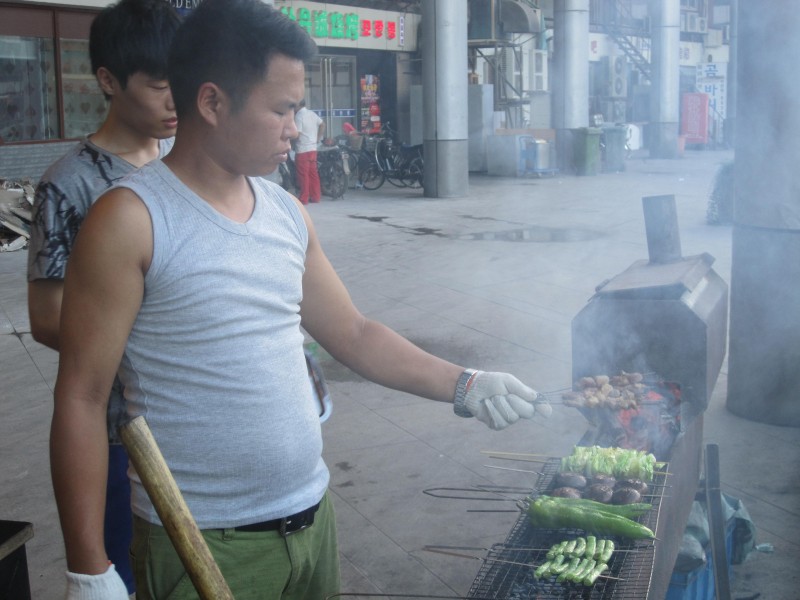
x: 381, y: 159
x: 332, y: 166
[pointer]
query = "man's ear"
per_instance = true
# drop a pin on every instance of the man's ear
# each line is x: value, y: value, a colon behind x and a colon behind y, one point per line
x: 108, y: 83
x: 211, y: 102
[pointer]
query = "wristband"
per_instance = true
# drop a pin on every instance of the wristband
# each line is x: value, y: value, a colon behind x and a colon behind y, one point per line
x: 462, y: 387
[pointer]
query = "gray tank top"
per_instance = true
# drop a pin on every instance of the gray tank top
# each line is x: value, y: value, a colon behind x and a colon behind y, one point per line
x: 215, y: 361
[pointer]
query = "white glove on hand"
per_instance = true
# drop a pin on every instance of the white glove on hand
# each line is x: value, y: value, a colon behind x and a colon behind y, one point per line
x: 500, y: 399
x: 107, y: 586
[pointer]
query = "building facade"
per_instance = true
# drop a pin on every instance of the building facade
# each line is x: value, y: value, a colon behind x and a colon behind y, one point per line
x: 369, y: 69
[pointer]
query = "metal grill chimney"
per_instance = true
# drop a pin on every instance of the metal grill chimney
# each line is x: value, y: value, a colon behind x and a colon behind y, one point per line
x: 667, y: 315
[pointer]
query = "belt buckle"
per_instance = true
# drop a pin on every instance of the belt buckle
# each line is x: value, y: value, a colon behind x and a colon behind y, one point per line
x: 289, y: 526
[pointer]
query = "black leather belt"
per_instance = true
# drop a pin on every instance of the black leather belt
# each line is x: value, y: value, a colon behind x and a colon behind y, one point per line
x: 286, y: 526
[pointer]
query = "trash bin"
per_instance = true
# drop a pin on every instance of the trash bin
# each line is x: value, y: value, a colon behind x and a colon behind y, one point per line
x: 542, y: 162
x: 587, y: 150
x: 534, y: 155
x: 614, y: 138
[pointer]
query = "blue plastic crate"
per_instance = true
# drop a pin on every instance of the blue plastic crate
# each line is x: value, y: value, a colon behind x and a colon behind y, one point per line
x: 699, y: 584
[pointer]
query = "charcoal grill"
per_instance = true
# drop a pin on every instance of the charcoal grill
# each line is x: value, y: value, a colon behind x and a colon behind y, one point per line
x: 667, y: 315
x: 630, y: 568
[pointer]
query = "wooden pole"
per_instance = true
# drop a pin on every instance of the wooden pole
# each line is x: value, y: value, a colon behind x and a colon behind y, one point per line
x: 173, y: 511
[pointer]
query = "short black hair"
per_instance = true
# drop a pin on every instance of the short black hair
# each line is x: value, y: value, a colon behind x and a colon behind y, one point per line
x: 133, y: 36
x: 230, y: 43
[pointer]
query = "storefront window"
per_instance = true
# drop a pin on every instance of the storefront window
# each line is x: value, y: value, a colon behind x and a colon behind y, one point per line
x: 42, y: 98
x: 84, y: 104
x: 28, y: 103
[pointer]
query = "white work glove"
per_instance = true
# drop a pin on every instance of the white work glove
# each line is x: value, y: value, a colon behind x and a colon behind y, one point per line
x: 107, y: 586
x: 497, y: 399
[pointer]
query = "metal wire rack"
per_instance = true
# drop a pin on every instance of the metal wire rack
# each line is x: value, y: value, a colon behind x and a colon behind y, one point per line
x: 628, y: 577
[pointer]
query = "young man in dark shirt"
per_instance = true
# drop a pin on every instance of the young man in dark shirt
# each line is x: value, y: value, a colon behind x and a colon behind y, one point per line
x: 128, y: 47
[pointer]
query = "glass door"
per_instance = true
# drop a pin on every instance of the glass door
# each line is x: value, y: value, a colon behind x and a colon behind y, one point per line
x: 332, y: 93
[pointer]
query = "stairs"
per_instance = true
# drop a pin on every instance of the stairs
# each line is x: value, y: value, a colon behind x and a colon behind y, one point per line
x: 621, y: 35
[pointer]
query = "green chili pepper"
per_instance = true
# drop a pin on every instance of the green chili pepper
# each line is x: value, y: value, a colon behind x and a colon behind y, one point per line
x: 549, y: 514
x: 573, y: 564
x: 569, y: 550
x: 553, y: 552
x: 592, y: 576
x: 559, y: 565
x: 587, y: 568
x: 591, y: 546
x: 580, y: 547
x: 575, y: 575
x: 598, y: 552
x: 542, y: 571
x: 625, y: 510
x: 607, y: 551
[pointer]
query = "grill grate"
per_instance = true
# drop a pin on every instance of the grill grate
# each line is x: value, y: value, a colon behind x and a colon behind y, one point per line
x: 633, y: 569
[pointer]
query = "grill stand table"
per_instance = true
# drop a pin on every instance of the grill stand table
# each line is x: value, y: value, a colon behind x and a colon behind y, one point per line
x: 14, y: 581
x: 676, y: 505
x: 647, y: 576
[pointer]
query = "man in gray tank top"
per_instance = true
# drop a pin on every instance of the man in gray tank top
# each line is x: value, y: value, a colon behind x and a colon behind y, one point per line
x: 197, y: 276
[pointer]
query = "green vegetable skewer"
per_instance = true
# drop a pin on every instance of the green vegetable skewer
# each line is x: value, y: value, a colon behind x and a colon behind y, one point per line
x: 548, y: 514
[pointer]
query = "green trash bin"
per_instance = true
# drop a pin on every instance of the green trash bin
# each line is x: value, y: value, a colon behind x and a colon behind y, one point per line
x: 614, y: 140
x: 586, y: 150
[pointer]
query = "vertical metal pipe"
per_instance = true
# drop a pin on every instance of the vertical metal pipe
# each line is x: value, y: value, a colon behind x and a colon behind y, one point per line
x: 733, y: 68
x: 571, y: 74
x: 661, y: 228
x: 444, y: 98
x: 665, y: 18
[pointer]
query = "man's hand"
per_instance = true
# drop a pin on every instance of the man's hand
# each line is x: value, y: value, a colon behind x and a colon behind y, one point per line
x: 500, y: 399
x: 106, y: 586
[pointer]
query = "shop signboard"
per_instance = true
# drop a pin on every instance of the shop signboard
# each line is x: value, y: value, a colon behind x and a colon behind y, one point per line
x: 690, y: 54
x: 711, y: 80
x: 184, y: 7
x: 334, y: 25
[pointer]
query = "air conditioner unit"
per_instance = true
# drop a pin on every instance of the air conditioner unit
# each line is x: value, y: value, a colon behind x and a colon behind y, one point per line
x: 702, y: 25
x: 714, y: 38
x: 618, y: 76
x: 615, y: 111
x: 538, y: 61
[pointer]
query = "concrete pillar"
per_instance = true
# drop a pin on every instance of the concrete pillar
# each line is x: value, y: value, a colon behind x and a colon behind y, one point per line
x: 764, y: 351
x: 444, y: 89
x: 729, y: 126
x: 570, y: 78
x: 665, y: 28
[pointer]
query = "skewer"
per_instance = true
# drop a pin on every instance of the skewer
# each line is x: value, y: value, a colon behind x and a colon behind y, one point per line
x: 441, y: 550
x: 510, y: 453
x: 533, y: 460
x: 509, y: 456
x: 527, y: 549
x: 510, y: 469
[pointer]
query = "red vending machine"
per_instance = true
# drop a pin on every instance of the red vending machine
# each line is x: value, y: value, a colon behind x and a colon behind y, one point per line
x: 694, y: 117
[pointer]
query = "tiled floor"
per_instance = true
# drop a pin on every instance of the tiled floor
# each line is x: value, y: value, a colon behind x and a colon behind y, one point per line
x: 446, y: 274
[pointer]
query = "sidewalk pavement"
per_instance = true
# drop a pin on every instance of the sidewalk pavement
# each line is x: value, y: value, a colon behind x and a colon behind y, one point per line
x: 490, y: 281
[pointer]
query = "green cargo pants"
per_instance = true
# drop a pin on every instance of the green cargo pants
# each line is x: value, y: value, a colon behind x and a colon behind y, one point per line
x: 256, y: 566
